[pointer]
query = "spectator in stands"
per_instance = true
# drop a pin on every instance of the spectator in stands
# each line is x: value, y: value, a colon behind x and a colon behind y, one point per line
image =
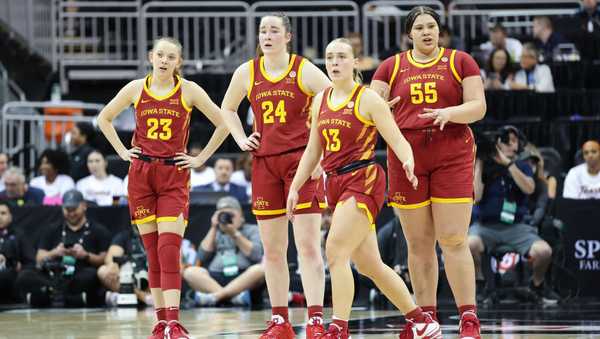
x: 81, y: 136
x: 243, y: 175
x: 204, y: 174
x: 222, y: 183
x: 126, y: 244
x: 447, y: 40
x: 101, y: 188
x: 502, y: 184
x: 365, y: 62
x: 587, y: 30
x: 539, y: 199
x: 532, y: 75
x: 230, y: 254
x: 583, y: 181
x: 546, y: 39
x: 53, y: 166
x: 78, y: 247
x: 3, y: 167
x: 499, y: 71
x: 17, y: 192
x: 9, y: 264
x: 499, y: 40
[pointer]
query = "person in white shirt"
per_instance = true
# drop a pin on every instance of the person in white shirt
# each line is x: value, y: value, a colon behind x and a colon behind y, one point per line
x: 100, y: 187
x: 583, y: 181
x: 201, y: 175
x: 532, y: 75
x: 499, y: 40
x: 3, y: 167
x: 53, y: 180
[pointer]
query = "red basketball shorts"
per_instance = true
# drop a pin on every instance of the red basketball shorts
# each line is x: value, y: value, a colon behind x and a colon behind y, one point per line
x: 443, y: 164
x: 271, y: 180
x: 366, y: 185
x: 157, y: 192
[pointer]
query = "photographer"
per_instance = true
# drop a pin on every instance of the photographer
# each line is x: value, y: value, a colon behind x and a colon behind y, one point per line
x: 126, y: 246
x: 9, y: 265
x: 68, y: 256
x: 502, y: 185
x: 231, y: 251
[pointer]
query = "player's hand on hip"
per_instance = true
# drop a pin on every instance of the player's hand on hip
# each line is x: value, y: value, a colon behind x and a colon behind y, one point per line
x: 393, y: 102
x: 441, y: 116
x: 292, y: 201
x: 251, y: 143
x: 316, y: 174
x: 131, y: 153
x: 409, y: 169
x: 188, y: 161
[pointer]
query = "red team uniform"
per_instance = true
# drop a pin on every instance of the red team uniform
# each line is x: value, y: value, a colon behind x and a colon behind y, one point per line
x: 443, y: 159
x: 158, y: 190
x: 281, y: 116
x: 348, y: 141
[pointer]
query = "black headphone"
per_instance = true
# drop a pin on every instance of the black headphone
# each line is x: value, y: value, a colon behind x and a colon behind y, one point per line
x: 504, y: 135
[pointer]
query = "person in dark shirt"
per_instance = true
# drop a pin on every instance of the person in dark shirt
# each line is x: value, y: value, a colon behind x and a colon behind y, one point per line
x: 585, y: 30
x: 17, y: 192
x: 546, y: 38
x: 81, y: 136
x: 78, y: 247
x: 502, y: 187
x: 9, y: 264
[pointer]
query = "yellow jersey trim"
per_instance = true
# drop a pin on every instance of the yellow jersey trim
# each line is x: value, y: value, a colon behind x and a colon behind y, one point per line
x: 269, y: 212
x: 302, y: 88
x: 451, y: 200
x: 357, y: 113
x: 158, y: 97
x: 344, y: 103
x: 425, y: 65
x: 395, y: 71
x: 453, y: 67
x: 283, y: 75
x: 410, y: 206
x: 144, y: 220
x: 184, y: 104
x: 251, y: 76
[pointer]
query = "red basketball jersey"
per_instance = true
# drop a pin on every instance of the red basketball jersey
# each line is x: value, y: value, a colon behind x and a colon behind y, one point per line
x: 161, y: 123
x: 281, y: 107
x: 436, y: 84
x: 345, y: 135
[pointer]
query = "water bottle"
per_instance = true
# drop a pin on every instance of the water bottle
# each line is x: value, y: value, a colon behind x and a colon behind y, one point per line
x: 55, y: 93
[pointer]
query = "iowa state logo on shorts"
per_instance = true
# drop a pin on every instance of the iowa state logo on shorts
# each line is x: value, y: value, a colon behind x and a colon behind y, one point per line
x: 261, y: 204
x: 141, y: 212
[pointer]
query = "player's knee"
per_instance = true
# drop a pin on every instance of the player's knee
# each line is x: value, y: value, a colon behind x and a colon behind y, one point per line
x: 169, y: 247
x: 309, y: 251
x: 452, y: 241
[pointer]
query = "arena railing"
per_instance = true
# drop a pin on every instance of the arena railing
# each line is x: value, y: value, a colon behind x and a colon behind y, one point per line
x: 32, y: 20
x: 213, y: 33
x: 471, y: 19
x: 26, y: 131
x: 383, y: 23
x: 315, y: 23
x: 100, y: 34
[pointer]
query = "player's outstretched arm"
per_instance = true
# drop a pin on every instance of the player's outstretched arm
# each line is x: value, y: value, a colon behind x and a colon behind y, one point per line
x: 126, y: 96
x: 374, y: 108
x: 310, y: 158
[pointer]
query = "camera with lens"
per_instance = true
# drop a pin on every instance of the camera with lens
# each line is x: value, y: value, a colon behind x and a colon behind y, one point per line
x: 487, y: 145
x: 133, y: 270
x: 225, y: 218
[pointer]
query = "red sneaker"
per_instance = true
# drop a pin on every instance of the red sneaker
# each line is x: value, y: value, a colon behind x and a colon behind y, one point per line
x: 334, y: 332
x: 175, y: 330
x: 429, y: 329
x: 278, y: 331
x: 158, y: 332
x: 315, y: 328
x: 469, y: 326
